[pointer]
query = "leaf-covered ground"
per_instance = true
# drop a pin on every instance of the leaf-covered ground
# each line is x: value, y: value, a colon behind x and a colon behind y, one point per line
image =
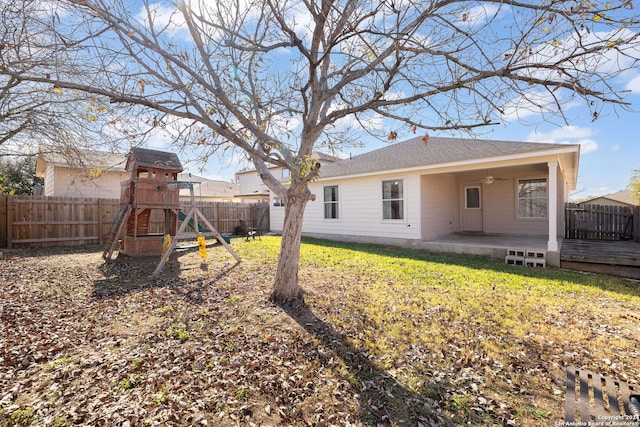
x: 385, y: 337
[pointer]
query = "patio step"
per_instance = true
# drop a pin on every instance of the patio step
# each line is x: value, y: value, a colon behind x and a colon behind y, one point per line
x: 526, y: 257
x: 535, y: 254
x: 513, y: 252
x: 514, y: 260
x: 535, y: 262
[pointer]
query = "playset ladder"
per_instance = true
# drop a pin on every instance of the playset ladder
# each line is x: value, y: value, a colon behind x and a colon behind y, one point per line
x: 117, y: 228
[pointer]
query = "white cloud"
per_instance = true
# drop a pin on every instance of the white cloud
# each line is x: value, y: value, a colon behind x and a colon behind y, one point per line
x: 633, y: 84
x: 565, y: 132
x: 159, y: 141
x: 301, y: 22
x: 163, y: 17
x: 526, y: 105
x: 478, y: 15
x: 536, y: 103
x: 586, y: 145
x: 224, y: 166
x: 568, y: 135
x: 370, y: 122
x: 169, y: 18
x: 283, y: 125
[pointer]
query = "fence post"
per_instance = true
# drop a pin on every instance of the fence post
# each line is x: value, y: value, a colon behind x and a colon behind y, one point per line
x: 100, y: 236
x: 567, y: 222
x: 3, y: 220
x: 9, y: 220
x: 218, y: 216
x: 636, y: 224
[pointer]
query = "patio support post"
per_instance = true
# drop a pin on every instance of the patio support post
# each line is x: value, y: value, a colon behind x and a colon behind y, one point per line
x: 552, y: 244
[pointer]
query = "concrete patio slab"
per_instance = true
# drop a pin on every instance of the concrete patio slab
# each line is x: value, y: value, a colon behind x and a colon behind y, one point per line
x: 492, y: 245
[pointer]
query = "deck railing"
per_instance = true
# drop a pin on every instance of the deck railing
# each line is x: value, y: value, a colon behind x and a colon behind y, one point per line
x: 601, y: 222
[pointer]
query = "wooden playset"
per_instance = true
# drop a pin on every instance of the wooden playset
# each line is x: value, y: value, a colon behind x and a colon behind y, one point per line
x: 152, y: 191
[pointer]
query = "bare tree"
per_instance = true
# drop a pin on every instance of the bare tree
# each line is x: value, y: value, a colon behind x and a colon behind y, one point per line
x: 32, y: 113
x: 31, y: 118
x: 278, y: 78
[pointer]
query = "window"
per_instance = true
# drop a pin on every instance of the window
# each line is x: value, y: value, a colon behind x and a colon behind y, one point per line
x: 277, y: 201
x: 331, y: 202
x: 392, y: 200
x: 532, y: 198
x: 286, y: 173
x: 472, y: 198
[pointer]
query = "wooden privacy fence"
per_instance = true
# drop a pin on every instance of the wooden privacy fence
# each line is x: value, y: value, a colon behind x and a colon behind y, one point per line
x: 600, y: 222
x: 27, y: 221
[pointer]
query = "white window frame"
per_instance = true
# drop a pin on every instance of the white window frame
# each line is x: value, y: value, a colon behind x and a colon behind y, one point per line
x: 399, y: 199
x: 332, y: 202
x: 518, y: 198
x: 466, y: 197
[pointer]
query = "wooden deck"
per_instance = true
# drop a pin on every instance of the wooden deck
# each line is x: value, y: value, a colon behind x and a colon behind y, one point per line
x: 620, y: 258
x: 614, y: 257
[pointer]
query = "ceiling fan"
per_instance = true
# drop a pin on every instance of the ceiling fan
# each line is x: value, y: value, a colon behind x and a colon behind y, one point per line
x: 491, y: 179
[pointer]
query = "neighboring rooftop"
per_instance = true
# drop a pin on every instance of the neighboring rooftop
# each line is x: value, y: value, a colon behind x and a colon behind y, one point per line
x: 623, y: 196
x: 75, y: 158
x: 415, y: 153
x: 208, y: 187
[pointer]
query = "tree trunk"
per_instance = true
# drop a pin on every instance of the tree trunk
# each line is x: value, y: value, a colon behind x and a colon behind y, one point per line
x: 286, y: 287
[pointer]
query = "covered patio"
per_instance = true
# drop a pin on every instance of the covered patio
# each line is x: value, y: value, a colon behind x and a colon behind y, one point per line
x: 486, y: 211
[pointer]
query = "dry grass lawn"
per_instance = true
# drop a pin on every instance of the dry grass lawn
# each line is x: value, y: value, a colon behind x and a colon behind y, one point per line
x: 385, y: 337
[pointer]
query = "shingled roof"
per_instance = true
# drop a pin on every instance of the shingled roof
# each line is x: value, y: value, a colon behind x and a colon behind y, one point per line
x: 623, y: 196
x: 144, y: 157
x: 415, y: 153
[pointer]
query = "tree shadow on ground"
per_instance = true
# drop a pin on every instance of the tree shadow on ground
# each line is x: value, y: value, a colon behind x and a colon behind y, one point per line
x: 126, y: 275
x: 48, y: 251
x: 381, y: 398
